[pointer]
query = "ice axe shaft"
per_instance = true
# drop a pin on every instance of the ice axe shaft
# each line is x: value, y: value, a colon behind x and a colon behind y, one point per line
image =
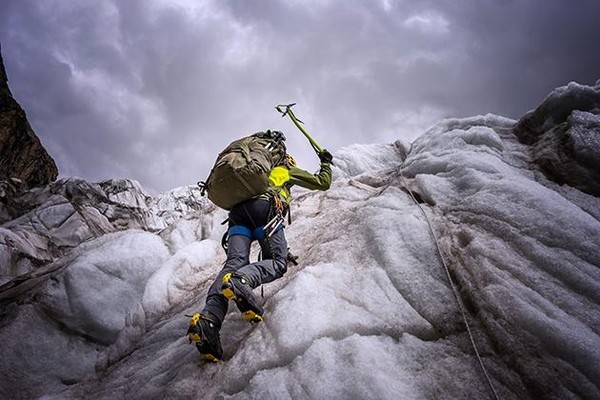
x: 286, y: 109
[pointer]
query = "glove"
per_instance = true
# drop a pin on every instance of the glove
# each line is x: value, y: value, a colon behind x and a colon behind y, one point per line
x: 326, y: 157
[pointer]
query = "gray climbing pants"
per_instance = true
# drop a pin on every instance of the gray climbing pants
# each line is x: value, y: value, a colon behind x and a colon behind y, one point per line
x: 251, y: 215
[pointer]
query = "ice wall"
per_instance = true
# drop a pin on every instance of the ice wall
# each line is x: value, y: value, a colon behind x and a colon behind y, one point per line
x: 81, y: 263
x: 48, y: 222
x: 564, y: 134
x: 369, y: 313
x: 524, y: 249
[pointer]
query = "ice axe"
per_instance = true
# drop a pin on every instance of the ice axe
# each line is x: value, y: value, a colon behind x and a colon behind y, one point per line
x: 286, y: 109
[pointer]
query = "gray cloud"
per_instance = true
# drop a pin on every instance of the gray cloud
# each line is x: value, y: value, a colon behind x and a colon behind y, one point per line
x: 153, y: 90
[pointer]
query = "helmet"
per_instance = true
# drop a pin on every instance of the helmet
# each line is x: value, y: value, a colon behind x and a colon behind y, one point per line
x: 290, y: 161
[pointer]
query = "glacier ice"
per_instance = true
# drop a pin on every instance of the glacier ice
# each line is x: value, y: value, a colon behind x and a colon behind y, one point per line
x: 564, y: 134
x: 369, y: 313
x: 111, y: 275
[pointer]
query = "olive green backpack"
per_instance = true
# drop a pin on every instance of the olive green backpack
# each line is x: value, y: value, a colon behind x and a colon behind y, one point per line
x: 242, y: 170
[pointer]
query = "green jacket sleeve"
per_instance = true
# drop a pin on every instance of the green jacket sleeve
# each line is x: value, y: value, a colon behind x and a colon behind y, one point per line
x: 318, y: 181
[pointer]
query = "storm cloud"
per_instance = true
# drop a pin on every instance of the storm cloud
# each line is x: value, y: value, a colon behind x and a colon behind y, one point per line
x: 153, y: 90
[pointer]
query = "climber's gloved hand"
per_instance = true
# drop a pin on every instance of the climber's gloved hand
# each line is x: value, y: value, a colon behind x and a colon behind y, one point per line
x: 326, y: 157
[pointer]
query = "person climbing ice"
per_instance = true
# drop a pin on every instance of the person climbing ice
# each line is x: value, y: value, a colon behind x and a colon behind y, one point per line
x: 258, y: 203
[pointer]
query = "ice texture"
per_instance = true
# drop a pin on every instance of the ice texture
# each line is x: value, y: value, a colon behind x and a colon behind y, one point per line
x: 564, y: 134
x: 111, y: 275
x: 368, y: 313
x: 585, y: 137
x: 51, y: 221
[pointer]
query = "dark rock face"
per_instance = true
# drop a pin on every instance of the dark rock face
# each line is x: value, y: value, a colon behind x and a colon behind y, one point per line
x: 22, y: 155
x: 564, y: 135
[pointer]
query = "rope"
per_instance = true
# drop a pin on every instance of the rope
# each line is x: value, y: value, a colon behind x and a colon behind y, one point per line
x: 453, y: 286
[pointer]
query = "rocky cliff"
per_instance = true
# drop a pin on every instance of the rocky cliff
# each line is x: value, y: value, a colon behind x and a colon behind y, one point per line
x: 22, y: 155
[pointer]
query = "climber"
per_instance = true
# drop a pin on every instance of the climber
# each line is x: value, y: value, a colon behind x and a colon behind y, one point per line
x: 259, y: 218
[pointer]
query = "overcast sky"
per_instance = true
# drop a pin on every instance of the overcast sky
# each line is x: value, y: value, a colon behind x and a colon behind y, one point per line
x: 153, y: 90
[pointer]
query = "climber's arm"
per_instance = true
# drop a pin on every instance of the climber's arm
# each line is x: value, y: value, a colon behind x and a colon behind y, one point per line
x: 318, y: 181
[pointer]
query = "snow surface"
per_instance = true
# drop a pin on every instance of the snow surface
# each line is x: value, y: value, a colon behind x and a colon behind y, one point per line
x: 368, y: 313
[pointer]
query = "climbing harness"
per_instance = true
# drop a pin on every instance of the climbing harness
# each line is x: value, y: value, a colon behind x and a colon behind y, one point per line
x: 452, y: 285
x: 286, y: 109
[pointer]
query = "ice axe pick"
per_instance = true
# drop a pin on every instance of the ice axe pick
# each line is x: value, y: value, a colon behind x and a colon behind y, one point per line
x: 286, y: 109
